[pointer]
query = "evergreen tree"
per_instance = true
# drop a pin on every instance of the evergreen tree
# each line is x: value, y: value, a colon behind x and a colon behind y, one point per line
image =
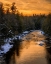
x: 1, y: 13
x: 46, y: 25
x: 13, y: 8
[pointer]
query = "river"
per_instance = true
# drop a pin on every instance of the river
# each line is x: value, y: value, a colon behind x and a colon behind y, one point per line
x: 32, y: 50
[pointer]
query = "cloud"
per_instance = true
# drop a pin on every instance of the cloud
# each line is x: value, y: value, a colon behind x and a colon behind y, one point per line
x: 35, y: 5
x: 32, y: 5
x: 4, y: 1
x: 49, y: 1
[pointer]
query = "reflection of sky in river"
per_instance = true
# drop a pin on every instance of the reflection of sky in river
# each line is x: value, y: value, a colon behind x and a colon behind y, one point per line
x: 32, y: 54
x: 33, y: 51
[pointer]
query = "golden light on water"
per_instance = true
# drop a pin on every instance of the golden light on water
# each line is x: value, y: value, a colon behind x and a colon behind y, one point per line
x: 31, y: 54
x: 31, y: 50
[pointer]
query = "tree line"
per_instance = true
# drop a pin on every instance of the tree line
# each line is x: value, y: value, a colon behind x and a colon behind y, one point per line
x: 12, y: 22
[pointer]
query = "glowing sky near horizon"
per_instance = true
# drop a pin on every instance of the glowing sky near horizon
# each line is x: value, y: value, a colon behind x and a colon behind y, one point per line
x: 32, y: 6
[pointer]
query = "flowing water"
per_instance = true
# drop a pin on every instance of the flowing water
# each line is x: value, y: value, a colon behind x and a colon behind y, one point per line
x: 32, y: 54
x: 32, y: 50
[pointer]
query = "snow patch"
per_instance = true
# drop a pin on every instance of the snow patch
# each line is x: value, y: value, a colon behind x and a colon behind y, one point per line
x: 6, y: 48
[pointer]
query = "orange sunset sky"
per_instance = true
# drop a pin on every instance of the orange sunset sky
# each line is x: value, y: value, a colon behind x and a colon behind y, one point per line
x: 31, y: 6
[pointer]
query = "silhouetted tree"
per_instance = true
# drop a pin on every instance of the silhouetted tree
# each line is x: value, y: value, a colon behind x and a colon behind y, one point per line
x: 1, y: 13
x: 7, y: 11
x: 13, y: 7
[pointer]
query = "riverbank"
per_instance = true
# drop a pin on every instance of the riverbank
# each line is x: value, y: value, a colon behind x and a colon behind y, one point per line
x: 26, y: 38
x: 2, y: 60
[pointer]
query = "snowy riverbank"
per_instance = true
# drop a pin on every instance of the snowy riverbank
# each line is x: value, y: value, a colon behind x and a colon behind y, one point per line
x: 9, y: 41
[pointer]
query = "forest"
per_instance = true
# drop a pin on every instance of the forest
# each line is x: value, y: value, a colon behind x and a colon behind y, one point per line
x: 12, y: 22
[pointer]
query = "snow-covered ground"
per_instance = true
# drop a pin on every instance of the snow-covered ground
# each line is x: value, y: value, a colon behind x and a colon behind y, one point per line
x: 25, y: 32
x: 6, y: 47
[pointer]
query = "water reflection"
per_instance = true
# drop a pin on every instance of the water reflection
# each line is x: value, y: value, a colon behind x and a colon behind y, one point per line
x: 48, y: 50
x: 11, y: 53
x: 29, y: 51
x: 34, y: 54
